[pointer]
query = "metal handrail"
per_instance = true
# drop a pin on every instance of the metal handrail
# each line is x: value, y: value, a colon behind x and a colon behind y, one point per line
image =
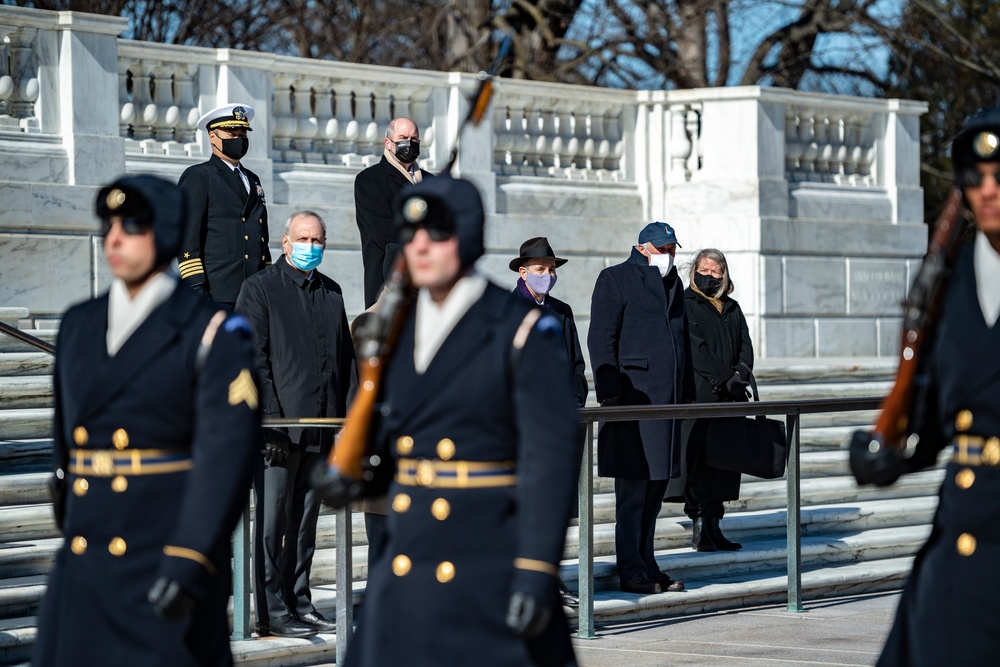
x: 588, y: 416
x: 14, y: 332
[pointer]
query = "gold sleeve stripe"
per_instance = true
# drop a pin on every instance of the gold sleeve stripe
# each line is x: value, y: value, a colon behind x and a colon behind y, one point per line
x: 189, y: 263
x: 521, y: 337
x: 191, y: 267
x: 192, y: 272
x: 536, y: 566
x: 190, y: 554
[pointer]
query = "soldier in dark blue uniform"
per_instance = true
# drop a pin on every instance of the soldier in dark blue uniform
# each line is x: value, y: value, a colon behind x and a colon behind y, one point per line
x: 225, y: 241
x: 478, y: 435
x: 949, y: 608
x: 156, y: 424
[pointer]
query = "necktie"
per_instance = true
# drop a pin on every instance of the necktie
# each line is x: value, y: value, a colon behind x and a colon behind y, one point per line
x: 243, y: 177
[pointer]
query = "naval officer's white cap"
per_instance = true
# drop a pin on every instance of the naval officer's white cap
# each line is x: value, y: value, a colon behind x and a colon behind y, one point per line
x: 228, y: 116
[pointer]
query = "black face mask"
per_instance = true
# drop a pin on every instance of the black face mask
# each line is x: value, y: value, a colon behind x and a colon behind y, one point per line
x: 235, y: 148
x: 407, y: 151
x: 708, y: 285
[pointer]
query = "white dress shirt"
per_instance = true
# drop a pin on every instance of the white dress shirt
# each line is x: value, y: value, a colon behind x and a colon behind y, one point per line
x: 986, y: 261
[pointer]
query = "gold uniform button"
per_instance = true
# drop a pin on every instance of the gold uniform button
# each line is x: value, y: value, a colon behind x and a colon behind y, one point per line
x: 401, y: 565
x: 445, y: 572
x: 119, y: 484
x: 446, y: 449
x: 246, y: 237
x: 404, y: 445
x: 117, y: 546
x: 963, y: 420
x: 78, y: 545
x: 425, y: 473
x: 246, y: 256
x: 80, y: 486
x: 965, y: 478
x: 966, y: 544
x: 991, y: 452
x: 401, y: 502
x: 80, y: 436
x: 440, y: 508
x: 120, y: 438
x: 243, y: 219
x: 263, y: 257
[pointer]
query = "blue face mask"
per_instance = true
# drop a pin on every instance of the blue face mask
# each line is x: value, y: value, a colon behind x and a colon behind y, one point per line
x: 306, y: 256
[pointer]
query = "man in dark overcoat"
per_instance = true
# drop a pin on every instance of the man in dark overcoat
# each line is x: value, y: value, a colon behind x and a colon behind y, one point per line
x: 156, y: 418
x: 226, y: 237
x: 305, y: 363
x: 374, y: 189
x: 478, y: 437
x: 639, y: 349
x: 947, y: 613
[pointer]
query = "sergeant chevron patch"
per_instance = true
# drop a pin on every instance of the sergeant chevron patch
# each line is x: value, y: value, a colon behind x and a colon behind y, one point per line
x: 243, y: 390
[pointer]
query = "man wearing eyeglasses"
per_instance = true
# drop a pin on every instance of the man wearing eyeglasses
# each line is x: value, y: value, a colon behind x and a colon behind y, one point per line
x: 477, y: 446
x: 156, y: 413
x: 305, y: 362
x: 226, y: 240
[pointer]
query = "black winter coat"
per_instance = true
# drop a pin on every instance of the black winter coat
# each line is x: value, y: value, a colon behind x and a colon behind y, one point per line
x: 719, y: 341
x: 225, y: 241
x: 639, y: 348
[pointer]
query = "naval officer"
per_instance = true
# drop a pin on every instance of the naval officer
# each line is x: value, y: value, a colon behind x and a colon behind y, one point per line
x: 226, y: 237
x: 156, y: 424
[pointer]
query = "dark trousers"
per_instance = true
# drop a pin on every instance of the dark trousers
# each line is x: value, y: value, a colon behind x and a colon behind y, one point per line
x: 701, y: 496
x: 378, y: 536
x: 285, y: 517
x: 637, y: 504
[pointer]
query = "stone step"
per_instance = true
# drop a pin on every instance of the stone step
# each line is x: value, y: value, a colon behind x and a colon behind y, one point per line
x: 26, y: 363
x: 25, y: 423
x: 27, y: 522
x: 11, y: 344
x: 26, y: 391
x: 20, y: 596
x: 24, y: 489
x: 25, y: 456
x: 804, y: 391
x: 862, y: 369
x: 28, y: 558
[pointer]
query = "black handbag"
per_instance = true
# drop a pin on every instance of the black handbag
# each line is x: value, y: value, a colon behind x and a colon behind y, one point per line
x: 753, y: 445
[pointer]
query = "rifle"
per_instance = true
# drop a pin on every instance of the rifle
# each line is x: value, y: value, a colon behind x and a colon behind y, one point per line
x: 878, y: 457
x: 339, y: 479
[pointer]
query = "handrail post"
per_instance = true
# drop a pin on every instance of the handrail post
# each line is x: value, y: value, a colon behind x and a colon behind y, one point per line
x: 345, y: 582
x: 793, y: 520
x: 585, y: 539
x: 241, y: 576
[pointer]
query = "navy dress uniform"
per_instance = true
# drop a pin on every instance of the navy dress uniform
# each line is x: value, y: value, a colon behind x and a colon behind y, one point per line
x: 949, y: 608
x: 226, y: 240
x: 154, y: 448
x: 483, y: 457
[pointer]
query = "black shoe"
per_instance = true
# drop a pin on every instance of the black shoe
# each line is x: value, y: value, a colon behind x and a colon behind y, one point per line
x: 640, y: 584
x: 701, y: 539
x: 569, y: 599
x: 287, y: 626
x: 666, y: 583
x: 719, y: 540
x: 315, y: 620
x: 263, y: 629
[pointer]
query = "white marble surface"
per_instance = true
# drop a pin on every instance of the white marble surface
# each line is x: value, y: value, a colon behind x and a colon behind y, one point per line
x: 44, y: 272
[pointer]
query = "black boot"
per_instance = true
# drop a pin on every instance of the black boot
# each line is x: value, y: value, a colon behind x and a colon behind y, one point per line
x: 720, y: 541
x: 701, y: 538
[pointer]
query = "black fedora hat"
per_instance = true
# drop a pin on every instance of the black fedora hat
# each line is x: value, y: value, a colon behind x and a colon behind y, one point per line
x: 536, y: 248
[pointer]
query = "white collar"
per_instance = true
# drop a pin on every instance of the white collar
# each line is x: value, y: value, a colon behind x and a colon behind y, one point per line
x: 986, y: 262
x: 125, y: 313
x: 435, y: 322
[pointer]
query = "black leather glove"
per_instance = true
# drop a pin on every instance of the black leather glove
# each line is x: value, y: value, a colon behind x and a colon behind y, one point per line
x: 873, y: 462
x: 527, y: 616
x: 336, y: 489
x: 736, y: 386
x: 277, y: 444
x: 170, y: 600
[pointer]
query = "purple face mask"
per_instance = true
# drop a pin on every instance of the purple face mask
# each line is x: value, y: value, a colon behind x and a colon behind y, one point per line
x: 540, y: 283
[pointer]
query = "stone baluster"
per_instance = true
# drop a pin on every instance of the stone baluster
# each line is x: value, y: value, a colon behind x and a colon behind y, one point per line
x: 810, y: 149
x: 793, y: 145
x: 536, y: 141
x: 562, y: 155
x: 520, y: 141
x: 168, y: 112
x: 692, y: 125
x: 548, y: 132
x: 368, y: 132
x: 128, y: 113
x: 852, y: 145
x: 306, y: 123
x: 824, y: 140
x: 595, y: 137
x: 283, y: 122
x: 681, y: 147
x: 343, y: 130
x: 6, y: 80
x: 502, y: 140
x: 145, y: 109
x: 186, y: 128
x: 838, y: 149
x: 325, y: 122
x: 20, y: 86
x: 418, y: 107
x: 866, y: 157
x: 616, y: 144
x: 582, y: 143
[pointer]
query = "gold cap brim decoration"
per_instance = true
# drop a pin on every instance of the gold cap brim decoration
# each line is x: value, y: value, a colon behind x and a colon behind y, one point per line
x: 415, y: 209
x: 115, y: 199
x: 986, y: 145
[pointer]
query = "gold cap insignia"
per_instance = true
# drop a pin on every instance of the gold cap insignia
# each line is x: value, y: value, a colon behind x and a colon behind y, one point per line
x: 115, y: 199
x: 239, y: 113
x: 415, y: 209
x: 243, y: 390
x: 986, y: 145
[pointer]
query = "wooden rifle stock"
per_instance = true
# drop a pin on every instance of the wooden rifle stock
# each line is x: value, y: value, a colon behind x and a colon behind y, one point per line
x: 920, y: 313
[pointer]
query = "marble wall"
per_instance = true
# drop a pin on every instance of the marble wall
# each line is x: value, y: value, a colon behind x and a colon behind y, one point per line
x: 815, y: 199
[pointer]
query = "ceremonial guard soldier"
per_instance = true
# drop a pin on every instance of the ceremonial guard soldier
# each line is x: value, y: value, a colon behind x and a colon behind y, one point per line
x: 226, y: 237
x: 948, y: 610
x: 478, y: 434
x: 155, y: 438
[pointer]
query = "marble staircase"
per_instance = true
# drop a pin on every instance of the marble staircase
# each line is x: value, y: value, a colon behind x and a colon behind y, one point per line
x: 853, y: 540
